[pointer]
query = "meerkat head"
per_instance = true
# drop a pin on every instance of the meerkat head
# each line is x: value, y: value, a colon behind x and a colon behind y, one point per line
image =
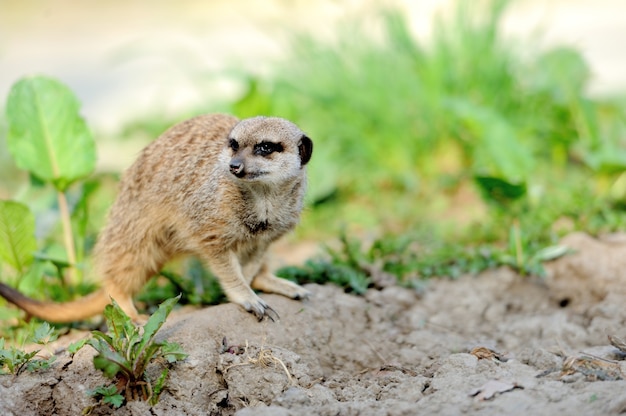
x: 267, y: 149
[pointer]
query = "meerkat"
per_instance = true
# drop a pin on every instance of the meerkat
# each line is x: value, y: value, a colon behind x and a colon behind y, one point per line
x: 212, y: 186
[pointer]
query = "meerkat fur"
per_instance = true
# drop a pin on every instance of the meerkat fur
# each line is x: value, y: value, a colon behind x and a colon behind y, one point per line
x: 212, y: 186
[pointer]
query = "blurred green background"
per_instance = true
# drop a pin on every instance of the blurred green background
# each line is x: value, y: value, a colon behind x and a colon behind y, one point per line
x: 449, y: 136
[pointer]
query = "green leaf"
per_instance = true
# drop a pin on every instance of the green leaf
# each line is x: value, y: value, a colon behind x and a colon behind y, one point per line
x: 551, y: 253
x: 32, y: 282
x: 496, y: 189
x: 74, y: 347
x: 35, y: 365
x: 501, y: 163
x: 102, y: 391
x: 155, y: 322
x: 115, y: 399
x: 172, y: 351
x: 17, y: 235
x: 46, y: 135
x: 110, y: 362
x: 109, y: 395
x: 120, y: 324
x: 102, y: 337
x: 44, y: 334
x: 158, y: 387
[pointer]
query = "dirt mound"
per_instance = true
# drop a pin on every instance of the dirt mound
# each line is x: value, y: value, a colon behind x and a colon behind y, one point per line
x: 497, y: 343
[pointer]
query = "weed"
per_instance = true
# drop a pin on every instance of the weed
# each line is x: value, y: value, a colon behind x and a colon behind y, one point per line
x: 14, y: 360
x: 126, y: 351
x: 401, y: 259
x: 106, y: 394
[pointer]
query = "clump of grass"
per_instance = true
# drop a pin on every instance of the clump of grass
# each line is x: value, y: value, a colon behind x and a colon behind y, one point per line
x: 391, y: 260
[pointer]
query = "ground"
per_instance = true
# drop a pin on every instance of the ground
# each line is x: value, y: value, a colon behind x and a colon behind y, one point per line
x: 497, y: 343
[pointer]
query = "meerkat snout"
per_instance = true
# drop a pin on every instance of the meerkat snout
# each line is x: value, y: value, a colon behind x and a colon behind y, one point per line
x: 237, y: 167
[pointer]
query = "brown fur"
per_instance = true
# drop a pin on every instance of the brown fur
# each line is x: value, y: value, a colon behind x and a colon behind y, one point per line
x: 193, y: 191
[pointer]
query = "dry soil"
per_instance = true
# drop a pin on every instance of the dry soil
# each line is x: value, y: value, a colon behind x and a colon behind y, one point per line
x: 492, y: 344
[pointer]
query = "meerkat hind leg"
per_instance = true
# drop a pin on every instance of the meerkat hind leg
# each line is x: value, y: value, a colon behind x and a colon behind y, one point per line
x: 268, y: 283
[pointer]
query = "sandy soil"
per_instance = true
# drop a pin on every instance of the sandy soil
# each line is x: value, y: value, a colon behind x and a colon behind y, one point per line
x: 496, y: 343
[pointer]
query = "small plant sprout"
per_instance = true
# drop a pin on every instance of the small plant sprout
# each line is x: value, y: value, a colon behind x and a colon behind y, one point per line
x: 14, y: 360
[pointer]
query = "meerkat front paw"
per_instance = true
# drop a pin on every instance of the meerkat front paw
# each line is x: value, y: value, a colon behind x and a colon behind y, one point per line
x: 260, y: 309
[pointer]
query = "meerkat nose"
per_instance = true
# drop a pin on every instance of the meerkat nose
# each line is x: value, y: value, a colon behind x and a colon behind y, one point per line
x: 237, y: 168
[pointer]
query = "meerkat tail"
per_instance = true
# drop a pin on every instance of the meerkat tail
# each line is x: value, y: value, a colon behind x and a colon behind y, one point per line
x: 77, y: 310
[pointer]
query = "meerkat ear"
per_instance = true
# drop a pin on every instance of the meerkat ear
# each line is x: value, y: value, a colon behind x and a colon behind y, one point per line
x: 305, y: 148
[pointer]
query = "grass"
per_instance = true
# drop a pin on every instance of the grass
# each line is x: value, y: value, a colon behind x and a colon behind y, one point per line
x: 408, y: 130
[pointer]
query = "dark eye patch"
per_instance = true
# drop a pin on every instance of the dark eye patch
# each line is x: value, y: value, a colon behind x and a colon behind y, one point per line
x: 267, y: 148
x: 232, y: 143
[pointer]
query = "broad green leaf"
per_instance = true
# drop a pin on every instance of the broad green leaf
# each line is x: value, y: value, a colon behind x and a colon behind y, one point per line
x: 120, y: 325
x: 609, y: 159
x: 46, y: 135
x: 500, y: 154
x: 501, y: 163
x: 32, y: 281
x: 562, y: 72
x: 155, y: 322
x: 496, y: 189
x: 17, y: 235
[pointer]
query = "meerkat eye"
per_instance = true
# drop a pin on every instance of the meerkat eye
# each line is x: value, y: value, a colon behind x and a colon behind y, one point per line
x: 232, y: 143
x: 267, y: 148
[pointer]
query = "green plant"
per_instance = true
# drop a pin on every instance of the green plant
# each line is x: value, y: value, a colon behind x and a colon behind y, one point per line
x: 48, y: 138
x: 108, y: 395
x: 191, y: 279
x: 14, y: 360
x: 126, y: 351
x: 401, y: 259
